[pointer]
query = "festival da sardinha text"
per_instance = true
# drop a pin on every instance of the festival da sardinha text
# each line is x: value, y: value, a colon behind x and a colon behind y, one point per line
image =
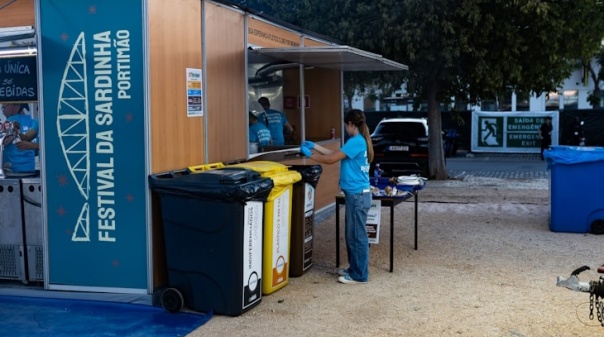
x: 112, y: 80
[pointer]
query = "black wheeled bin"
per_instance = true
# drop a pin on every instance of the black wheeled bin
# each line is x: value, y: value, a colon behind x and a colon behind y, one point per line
x: 212, y: 224
x: 303, y: 218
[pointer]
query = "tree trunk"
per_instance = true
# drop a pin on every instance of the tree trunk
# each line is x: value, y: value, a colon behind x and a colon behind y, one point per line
x: 594, y: 100
x: 438, y: 170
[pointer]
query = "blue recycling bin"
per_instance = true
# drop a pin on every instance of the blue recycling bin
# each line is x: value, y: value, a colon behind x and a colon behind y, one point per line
x: 576, y: 189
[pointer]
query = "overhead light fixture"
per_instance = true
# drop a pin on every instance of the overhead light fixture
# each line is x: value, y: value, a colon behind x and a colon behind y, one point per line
x: 18, y: 51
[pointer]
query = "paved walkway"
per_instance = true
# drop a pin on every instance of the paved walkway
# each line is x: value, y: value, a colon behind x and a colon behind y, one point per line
x: 500, y: 174
x: 498, y: 158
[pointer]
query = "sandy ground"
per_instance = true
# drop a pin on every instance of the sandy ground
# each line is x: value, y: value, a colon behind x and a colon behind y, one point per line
x: 486, y: 266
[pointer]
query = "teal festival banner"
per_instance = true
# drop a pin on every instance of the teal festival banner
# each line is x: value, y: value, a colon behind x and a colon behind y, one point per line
x: 94, y: 134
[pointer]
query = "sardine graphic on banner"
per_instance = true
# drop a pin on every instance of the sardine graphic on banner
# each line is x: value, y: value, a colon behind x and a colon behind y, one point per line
x: 73, y: 129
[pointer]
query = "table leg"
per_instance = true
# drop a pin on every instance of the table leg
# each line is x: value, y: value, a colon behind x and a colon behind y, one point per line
x: 337, y: 235
x: 391, y: 237
x: 415, y: 196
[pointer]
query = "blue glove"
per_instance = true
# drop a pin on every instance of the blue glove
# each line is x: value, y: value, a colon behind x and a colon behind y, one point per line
x: 305, y: 151
x: 308, y: 144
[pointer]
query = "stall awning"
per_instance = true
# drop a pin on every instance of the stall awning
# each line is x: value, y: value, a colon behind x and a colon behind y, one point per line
x: 344, y: 58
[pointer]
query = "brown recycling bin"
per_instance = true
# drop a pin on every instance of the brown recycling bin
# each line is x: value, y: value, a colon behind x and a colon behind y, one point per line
x: 303, y: 215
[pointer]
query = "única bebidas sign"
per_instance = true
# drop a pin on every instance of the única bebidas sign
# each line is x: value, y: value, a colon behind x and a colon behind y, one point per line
x: 18, y: 79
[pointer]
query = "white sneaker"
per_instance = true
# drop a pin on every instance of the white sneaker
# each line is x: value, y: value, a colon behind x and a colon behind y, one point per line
x: 347, y: 280
x: 342, y: 272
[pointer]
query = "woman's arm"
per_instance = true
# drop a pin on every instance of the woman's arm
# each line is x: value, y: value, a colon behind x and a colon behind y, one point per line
x: 323, y: 150
x: 332, y: 157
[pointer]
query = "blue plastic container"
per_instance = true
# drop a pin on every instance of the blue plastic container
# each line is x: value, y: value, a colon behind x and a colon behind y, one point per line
x: 576, y: 189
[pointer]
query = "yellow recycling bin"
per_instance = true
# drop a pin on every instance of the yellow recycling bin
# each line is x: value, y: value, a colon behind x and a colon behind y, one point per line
x: 277, y: 222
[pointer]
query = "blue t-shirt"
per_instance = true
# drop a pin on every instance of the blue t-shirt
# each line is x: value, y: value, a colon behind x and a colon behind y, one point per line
x: 260, y: 134
x: 21, y: 161
x: 354, y: 169
x: 275, y: 121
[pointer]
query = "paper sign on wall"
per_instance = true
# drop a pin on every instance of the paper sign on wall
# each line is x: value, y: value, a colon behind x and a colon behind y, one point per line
x: 194, y: 93
x: 373, y: 221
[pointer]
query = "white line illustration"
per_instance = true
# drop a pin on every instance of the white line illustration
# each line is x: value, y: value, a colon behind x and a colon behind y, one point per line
x: 73, y: 129
x: 81, y: 232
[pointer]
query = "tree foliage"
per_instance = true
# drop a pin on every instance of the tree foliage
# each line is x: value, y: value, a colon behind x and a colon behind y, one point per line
x: 473, y: 49
x: 597, y: 76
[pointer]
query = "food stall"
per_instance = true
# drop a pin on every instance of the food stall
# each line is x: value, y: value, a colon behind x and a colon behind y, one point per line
x: 131, y: 89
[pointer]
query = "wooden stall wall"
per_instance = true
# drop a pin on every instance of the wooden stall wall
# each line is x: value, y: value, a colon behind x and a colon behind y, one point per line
x: 174, y: 45
x: 262, y: 34
x: 226, y: 86
x: 310, y: 42
x: 176, y: 140
x: 325, y: 93
x: 17, y: 13
x: 322, y: 86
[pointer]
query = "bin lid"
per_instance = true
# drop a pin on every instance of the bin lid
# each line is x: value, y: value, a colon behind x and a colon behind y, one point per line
x: 574, y: 154
x: 279, y: 173
x: 224, y: 183
x: 310, y: 173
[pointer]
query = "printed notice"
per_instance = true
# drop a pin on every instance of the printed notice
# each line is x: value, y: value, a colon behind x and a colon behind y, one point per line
x: 194, y: 93
x: 373, y: 221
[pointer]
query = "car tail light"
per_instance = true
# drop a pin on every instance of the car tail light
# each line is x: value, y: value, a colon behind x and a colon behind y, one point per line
x: 419, y: 155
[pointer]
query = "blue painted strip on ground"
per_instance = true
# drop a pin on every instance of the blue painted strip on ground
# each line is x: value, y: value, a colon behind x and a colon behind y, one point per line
x: 29, y: 316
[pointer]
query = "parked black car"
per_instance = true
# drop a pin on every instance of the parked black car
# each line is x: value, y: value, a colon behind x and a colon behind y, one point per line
x: 400, y: 146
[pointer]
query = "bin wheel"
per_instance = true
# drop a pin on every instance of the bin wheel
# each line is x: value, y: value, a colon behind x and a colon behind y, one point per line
x: 597, y: 227
x: 172, y: 300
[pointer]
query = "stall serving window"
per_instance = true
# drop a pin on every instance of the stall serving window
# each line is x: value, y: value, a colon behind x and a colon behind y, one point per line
x: 306, y: 83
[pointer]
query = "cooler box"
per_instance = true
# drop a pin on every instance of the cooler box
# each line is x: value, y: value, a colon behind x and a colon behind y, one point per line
x: 576, y: 189
x: 303, y: 218
x: 212, y: 223
x: 277, y: 222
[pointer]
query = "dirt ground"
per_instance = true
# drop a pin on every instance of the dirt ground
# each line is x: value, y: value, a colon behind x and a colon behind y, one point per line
x: 486, y: 265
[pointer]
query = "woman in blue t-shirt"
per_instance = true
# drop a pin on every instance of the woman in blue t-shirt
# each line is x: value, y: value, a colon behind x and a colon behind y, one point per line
x: 356, y: 154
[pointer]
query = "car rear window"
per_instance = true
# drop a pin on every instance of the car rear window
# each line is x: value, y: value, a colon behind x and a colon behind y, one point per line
x: 402, y: 128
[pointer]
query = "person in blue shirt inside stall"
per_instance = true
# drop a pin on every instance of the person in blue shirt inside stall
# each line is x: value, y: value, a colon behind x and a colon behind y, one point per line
x: 275, y: 121
x: 20, y: 152
x: 259, y: 133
